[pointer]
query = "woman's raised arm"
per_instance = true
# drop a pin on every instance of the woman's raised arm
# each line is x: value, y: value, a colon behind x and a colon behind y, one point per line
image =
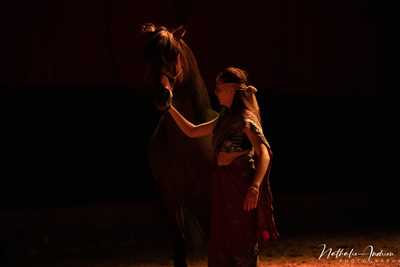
x: 189, y: 128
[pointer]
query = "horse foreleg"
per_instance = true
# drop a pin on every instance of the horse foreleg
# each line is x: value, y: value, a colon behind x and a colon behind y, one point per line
x: 178, y: 247
x: 179, y: 256
x: 175, y: 226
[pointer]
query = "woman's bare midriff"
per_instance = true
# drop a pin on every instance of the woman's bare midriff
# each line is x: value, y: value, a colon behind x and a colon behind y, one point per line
x: 225, y: 158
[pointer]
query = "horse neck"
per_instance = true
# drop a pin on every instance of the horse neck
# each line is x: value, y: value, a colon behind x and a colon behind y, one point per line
x: 194, y: 106
x: 191, y: 95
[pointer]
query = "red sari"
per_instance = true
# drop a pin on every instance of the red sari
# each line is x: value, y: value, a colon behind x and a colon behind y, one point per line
x: 236, y: 234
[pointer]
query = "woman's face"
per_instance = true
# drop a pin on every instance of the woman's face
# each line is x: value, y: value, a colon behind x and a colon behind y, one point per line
x: 225, y: 92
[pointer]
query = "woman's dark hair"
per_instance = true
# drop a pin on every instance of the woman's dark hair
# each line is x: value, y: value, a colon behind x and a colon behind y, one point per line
x: 244, y: 99
x: 233, y: 75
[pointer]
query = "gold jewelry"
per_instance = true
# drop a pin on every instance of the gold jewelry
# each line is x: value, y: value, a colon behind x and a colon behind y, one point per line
x: 254, y: 188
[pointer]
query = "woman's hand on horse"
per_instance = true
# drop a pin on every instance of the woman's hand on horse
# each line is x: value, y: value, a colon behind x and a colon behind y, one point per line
x: 170, y: 96
x: 165, y: 101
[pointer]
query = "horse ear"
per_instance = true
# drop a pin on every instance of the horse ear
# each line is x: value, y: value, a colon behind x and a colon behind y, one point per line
x: 148, y: 27
x: 179, y: 32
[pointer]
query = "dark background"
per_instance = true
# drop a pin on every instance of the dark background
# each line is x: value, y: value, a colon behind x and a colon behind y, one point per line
x: 76, y: 122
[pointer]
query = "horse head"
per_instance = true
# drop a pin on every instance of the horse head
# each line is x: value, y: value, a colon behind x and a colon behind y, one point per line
x: 164, y: 54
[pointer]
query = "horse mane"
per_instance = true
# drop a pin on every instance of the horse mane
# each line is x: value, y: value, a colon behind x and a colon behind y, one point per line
x: 193, y: 87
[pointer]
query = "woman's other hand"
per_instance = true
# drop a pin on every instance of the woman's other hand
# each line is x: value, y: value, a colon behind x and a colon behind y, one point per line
x: 251, y: 199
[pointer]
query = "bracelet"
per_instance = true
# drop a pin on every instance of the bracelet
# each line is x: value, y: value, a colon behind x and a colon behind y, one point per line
x: 255, y: 188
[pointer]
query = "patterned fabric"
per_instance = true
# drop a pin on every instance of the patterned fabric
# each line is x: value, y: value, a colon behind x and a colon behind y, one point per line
x: 236, y: 234
x: 233, y: 239
x: 236, y: 142
x: 229, y: 135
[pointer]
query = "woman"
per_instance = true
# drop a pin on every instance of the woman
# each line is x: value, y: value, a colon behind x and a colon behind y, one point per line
x: 242, y: 211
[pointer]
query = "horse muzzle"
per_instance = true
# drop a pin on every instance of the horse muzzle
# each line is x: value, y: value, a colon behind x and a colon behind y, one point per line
x: 163, y: 99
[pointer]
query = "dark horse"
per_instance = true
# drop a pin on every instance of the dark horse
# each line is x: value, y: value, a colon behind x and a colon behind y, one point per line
x: 180, y: 164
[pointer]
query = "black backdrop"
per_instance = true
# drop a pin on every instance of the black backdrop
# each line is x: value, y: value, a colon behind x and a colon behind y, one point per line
x: 76, y: 122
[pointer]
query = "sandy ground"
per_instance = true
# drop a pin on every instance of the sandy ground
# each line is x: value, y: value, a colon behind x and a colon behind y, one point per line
x: 116, y: 236
x: 301, y: 251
